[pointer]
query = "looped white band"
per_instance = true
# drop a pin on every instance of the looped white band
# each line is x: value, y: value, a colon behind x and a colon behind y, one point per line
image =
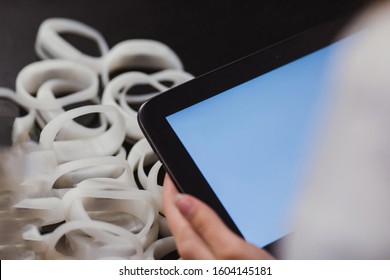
x: 69, y: 180
x: 107, y: 143
x: 126, y: 177
x: 174, y: 77
x: 115, y: 94
x: 31, y: 77
x: 47, y: 209
x: 42, y: 173
x: 160, y: 248
x: 141, y: 149
x: 114, y: 239
x: 114, y: 198
x: 151, y: 184
x: 148, y: 54
x: 140, y: 155
x: 49, y: 44
x: 72, y: 130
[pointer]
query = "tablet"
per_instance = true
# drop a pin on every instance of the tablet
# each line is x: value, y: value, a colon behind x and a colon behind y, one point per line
x: 237, y: 138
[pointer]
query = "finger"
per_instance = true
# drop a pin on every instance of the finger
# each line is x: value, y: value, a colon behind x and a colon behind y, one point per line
x: 207, y: 224
x: 223, y: 242
x: 189, y: 244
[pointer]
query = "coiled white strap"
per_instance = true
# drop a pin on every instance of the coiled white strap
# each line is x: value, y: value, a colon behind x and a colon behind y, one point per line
x: 116, y: 92
x: 140, y: 150
x: 107, y: 143
x: 160, y: 248
x: 118, y: 198
x: 146, y: 54
x: 49, y: 44
x: 173, y: 77
x: 47, y: 209
x: 151, y: 184
x: 69, y: 180
x: 31, y: 78
x: 72, y: 130
x: 140, y: 155
x: 108, y: 234
x: 126, y: 177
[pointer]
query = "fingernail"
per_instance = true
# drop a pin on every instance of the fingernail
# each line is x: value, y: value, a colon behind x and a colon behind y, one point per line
x: 184, y: 204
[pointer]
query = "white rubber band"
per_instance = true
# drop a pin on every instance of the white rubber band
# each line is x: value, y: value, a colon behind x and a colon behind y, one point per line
x: 107, y: 143
x: 47, y: 209
x: 33, y: 238
x: 116, y: 91
x: 176, y: 77
x: 151, y: 184
x: 160, y: 248
x: 147, y: 54
x: 49, y: 44
x: 121, y: 84
x: 31, y: 77
x: 142, y: 205
x: 72, y: 178
x: 72, y: 130
x: 139, y: 150
x: 140, y: 155
x: 118, y: 236
x: 126, y: 177
x: 86, y: 248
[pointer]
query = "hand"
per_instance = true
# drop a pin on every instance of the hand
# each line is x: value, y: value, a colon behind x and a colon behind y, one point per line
x: 200, y: 233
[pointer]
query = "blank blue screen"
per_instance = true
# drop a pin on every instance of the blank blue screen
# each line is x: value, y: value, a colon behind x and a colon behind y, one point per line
x: 250, y: 142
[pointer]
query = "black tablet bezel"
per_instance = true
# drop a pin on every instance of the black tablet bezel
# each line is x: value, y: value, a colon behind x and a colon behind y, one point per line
x: 164, y: 141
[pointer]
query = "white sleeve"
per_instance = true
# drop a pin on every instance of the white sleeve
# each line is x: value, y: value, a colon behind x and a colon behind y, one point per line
x: 345, y: 213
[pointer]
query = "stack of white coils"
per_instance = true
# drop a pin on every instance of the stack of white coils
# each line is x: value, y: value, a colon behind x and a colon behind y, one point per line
x: 80, y: 178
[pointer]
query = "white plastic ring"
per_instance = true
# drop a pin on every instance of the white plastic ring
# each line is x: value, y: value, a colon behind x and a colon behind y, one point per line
x: 140, y: 155
x: 174, y: 77
x: 147, y: 54
x: 47, y: 209
x: 141, y: 150
x: 118, y: 235
x: 31, y: 77
x: 126, y: 177
x: 72, y: 130
x: 134, y: 202
x: 107, y: 143
x: 160, y: 248
x: 102, y: 171
x: 49, y: 44
x: 115, y: 94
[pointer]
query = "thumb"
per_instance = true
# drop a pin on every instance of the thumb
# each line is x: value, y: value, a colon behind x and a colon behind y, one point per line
x: 206, y: 223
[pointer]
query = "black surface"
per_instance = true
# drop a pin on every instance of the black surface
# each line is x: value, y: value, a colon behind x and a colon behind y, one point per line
x: 205, y: 33
x: 164, y: 141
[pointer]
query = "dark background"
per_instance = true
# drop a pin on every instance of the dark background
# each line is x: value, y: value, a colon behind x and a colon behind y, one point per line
x: 206, y: 34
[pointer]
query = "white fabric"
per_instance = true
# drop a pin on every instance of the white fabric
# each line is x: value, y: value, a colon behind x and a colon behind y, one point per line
x: 346, y: 210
